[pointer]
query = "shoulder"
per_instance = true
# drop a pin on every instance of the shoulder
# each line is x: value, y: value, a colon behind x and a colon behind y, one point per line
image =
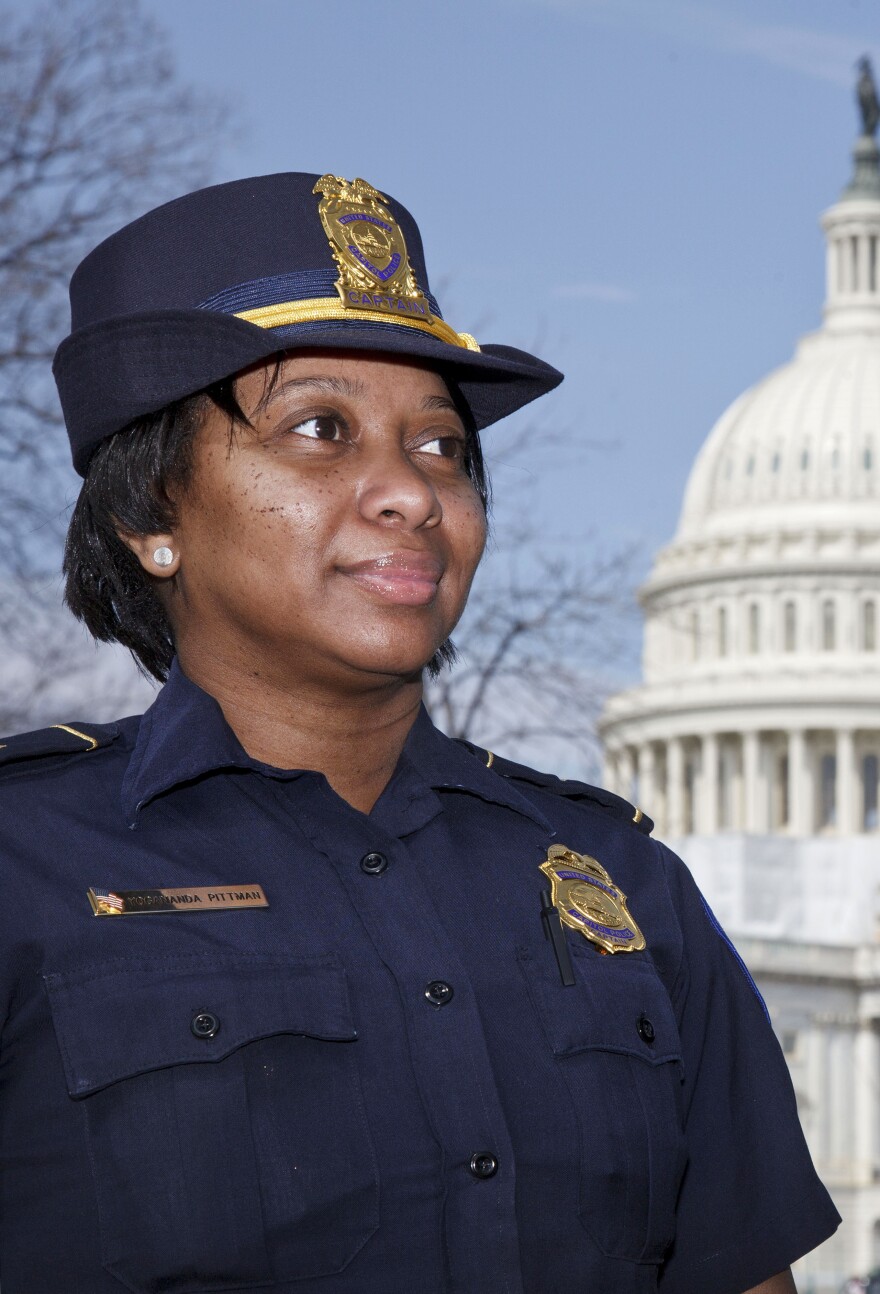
x: 606, y: 801
x: 44, y: 748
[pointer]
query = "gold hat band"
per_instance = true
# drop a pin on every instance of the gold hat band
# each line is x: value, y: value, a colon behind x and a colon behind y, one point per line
x: 316, y: 309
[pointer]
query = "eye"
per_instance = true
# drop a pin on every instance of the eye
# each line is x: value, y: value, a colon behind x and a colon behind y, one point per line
x: 444, y: 447
x: 318, y: 428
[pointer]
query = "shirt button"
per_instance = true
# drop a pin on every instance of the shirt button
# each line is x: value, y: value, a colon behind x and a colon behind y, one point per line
x: 205, y: 1024
x: 646, y: 1030
x: 374, y: 864
x: 439, y: 992
x: 483, y: 1165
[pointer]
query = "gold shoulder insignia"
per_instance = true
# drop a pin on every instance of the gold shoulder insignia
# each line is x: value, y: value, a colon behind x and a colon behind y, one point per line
x: 57, y: 739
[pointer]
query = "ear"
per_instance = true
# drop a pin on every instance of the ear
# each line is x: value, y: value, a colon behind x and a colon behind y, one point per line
x: 157, y: 554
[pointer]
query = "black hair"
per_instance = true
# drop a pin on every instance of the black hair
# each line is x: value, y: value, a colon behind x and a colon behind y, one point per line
x: 130, y: 484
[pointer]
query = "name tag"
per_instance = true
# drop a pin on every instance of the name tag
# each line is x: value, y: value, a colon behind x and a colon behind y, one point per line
x: 202, y: 898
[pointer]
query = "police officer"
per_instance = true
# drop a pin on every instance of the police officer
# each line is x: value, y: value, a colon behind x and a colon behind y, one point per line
x: 296, y: 993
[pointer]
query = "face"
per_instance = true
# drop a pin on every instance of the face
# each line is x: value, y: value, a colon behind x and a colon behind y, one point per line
x: 337, y: 540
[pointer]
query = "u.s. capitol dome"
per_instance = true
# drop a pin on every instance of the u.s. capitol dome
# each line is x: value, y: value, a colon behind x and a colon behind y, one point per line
x: 760, y: 706
x: 754, y: 738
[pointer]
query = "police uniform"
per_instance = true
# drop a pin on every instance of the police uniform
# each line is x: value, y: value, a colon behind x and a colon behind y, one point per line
x: 378, y: 1081
x: 485, y: 1038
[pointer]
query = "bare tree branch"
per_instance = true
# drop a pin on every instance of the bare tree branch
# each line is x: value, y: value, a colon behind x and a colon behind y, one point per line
x: 540, y: 641
x: 95, y: 129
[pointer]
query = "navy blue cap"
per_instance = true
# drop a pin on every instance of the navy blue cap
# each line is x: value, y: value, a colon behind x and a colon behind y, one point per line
x: 215, y: 281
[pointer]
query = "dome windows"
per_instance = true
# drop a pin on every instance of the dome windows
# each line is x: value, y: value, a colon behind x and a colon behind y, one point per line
x: 757, y: 617
x: 804, y: 484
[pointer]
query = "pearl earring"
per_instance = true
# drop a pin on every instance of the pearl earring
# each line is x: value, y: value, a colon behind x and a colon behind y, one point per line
x: 163, y: 556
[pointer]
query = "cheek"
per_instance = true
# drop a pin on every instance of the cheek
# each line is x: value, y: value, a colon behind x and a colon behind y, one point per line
x: 470, y: 528
x: 260, y: 516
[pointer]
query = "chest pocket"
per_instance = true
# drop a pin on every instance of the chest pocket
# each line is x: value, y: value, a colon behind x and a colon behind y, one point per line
x: 615, y: 1039
x: 224, y: 1115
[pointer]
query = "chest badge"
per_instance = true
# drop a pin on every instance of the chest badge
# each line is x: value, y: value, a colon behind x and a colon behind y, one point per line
x: 588, y: 900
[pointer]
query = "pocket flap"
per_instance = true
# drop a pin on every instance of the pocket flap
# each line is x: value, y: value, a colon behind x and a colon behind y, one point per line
x: 128, y: 1017
x: 617, y: 1004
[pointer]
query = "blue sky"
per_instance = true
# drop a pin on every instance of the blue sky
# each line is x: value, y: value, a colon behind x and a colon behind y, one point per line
x: 631, y: 187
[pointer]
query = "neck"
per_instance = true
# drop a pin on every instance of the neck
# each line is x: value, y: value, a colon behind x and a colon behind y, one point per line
x: 354, y: 738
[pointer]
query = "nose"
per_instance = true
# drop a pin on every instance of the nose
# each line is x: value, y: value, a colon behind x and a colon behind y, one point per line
x: 393, y: 491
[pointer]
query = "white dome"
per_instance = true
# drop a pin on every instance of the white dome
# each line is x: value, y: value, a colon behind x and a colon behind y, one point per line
x: 759, y: 708
x: 801, y: 449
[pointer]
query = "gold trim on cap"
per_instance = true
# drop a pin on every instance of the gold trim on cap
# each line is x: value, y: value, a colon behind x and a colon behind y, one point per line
x: 84, y: 736
x: 317, y: 309
x: 491, y: 760
x: 638, y: 815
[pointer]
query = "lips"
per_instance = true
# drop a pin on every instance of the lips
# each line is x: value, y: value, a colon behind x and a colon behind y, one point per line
x: 405, y: 578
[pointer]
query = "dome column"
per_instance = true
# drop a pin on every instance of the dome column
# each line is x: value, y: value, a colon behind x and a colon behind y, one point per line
x: 846, y: 782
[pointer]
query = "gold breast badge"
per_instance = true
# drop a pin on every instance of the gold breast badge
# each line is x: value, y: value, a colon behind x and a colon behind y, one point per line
x: 588, y: 900
x: 368, y: 247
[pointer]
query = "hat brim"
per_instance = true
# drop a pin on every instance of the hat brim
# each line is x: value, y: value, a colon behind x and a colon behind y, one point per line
x: 114, y: 371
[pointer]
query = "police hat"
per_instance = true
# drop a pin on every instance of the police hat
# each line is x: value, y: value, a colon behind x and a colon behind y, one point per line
x: 225, y: 277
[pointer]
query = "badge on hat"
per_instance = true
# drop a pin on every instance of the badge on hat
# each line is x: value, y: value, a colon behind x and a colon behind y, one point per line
x: 368, y: 246
x: 588, y: 900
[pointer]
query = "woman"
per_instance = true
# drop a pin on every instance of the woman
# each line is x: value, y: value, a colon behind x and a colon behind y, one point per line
x: 386, y: 1018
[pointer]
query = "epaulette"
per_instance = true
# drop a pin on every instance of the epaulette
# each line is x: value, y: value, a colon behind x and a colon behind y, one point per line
x: 571, y: 790
x: 57, y: 739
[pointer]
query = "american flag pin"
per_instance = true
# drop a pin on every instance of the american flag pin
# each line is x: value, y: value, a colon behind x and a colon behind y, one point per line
x: 105, y: 903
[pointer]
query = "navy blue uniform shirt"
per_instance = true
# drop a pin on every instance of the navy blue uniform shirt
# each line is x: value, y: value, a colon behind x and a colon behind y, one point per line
x: 393, y: 1089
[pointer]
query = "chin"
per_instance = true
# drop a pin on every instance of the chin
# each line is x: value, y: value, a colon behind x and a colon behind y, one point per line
x: 394, y: 660
x: 397, y: 650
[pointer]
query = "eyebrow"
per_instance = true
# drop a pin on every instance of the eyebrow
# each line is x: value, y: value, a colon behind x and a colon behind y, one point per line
x: 329, y: 384
x: 439, y: 402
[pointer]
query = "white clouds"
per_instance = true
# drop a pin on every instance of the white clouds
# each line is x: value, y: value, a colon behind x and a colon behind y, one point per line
x: 609, y: 293
x: 823, y: 56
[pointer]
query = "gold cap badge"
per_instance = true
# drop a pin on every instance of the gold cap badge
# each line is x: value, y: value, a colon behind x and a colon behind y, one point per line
x: 368, y: 246
x: 588, y: 900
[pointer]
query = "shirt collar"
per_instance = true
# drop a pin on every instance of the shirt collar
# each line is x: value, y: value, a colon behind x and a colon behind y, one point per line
x: 446, y: 764
x: 182, y: 736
